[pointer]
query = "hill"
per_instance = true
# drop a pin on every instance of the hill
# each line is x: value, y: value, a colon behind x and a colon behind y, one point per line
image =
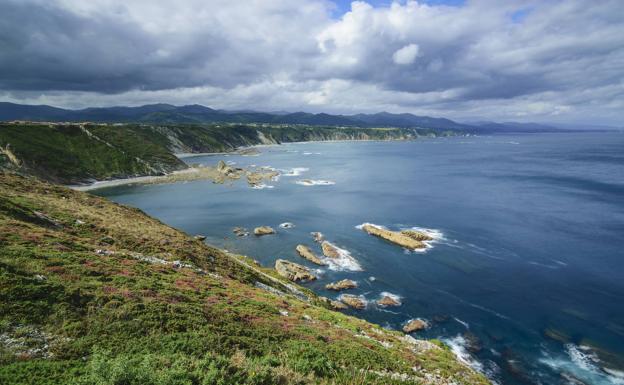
x: 93, y: 292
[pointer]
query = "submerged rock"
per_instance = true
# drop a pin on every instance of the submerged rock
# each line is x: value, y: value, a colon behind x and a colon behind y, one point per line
x: 306, y: 253
x: 341, y: 285
x: 394, y: 237
x: 240, y: 231
x: 329, y: 250
x: 387, y: 300
x: 263, y: 230
x: 353, y: 301
x: 293, y: 271
x: 415, y: 325
x: 473, y: 343
x: 318, y: 237
x: 287, y: 225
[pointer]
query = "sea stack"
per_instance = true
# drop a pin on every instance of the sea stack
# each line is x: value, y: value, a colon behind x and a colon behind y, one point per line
x: 305, y: 252
x: 398, y: 238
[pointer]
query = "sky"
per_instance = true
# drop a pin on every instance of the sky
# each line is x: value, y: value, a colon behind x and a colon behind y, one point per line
x: 513, y: 60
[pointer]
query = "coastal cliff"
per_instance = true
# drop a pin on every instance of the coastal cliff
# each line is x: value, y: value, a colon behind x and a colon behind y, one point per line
x: 77, y: 153
x: 93, y: 292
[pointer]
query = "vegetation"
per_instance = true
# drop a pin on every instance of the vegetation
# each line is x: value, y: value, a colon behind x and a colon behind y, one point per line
x: 93, y: 292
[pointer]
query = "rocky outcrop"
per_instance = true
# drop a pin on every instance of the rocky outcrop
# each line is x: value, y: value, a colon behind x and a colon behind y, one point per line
x: 387, y: 300
x: 337, y: 305
x: 293, y: 271
x: 308, y: 254
x: 255, y: 178
x: 353, y: 301
x: 240, y: 231
x: 395, y: 237
x: 415, y: 325
x: 341, y: 285
x: 329, y: 250
x: 318, y: 237
x: 417, y: 235
x: 263, y: 230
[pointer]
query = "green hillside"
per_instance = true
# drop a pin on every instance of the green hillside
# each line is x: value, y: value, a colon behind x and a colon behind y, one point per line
x: 93, y: 292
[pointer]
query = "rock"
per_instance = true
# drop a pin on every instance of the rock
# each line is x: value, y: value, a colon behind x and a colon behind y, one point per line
x: 341, y: 285
x: 386, y: 300
x: 415, y: 325
x: 293, y: 271
x: 240, y: 231
x: 306, y: 253
x: 200, y: 237
x: 395, y: 237
x: 318, y: 237
x: 287, y: 225
x: 441, y: 318
x: 337, y: 305
x: 263, y: 230
x: 417, y: 235
x: 353, y: 301
x: 329, y: 250
x: 473, y: 343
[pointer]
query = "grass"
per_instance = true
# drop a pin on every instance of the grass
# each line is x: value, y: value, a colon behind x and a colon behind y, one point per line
x: 90, y: 294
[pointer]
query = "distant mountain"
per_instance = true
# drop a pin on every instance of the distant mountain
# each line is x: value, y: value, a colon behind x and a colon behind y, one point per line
x: 167, y: 113
x: 170, y: 114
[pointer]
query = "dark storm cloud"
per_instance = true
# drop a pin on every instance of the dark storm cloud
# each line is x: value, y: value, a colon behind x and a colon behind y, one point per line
x: 558, y: 58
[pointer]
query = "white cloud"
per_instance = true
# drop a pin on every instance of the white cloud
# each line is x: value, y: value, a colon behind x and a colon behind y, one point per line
x: 406, y: 55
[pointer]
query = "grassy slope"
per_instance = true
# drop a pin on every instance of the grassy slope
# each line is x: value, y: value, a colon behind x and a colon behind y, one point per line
x: 68, y: 154
x: 72, y: 314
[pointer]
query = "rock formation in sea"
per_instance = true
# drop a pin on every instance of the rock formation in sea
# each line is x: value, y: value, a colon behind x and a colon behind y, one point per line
x: 240, y: 231
x: 318, y: 237
x: 387, y: 300
x: 293, y: 271
x: 329, y: 250
x: 308, y: 254
x: 263, y: 230
x: 415, y: 325
x: 353, y: 301
x: 395, y: 237
x: 341, y: 285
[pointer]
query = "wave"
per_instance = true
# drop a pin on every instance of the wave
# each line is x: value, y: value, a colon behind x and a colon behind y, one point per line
x: 582, y: 363
x: 463, y: 323
x: 311, y: 153
x: 344, y: 261
x: 287, y: 225
x: 261, y: 186
x: 295, y: 171
x: 315, y: 182
x: 458, y: 347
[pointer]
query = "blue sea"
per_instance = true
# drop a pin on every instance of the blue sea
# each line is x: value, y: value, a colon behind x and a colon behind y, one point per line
x: 529, y: 239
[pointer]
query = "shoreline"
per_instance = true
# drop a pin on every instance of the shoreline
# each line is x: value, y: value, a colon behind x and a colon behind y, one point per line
x: 150, y: 179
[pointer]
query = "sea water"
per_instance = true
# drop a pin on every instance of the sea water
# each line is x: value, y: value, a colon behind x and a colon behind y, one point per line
x: 528, y: 239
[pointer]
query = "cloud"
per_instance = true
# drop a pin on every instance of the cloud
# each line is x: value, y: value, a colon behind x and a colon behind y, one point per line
x: 406, y: 55
x: 560, y: 60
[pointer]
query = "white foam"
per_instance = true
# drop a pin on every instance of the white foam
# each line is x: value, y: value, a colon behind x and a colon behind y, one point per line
x: 315, y: 182
x: 261, y: 186
x: 584, y: 364
x: 463, y: 323
x: 287, y: 225
x: 344, y: 261
x: 458, y: 347
x: 295, y: 171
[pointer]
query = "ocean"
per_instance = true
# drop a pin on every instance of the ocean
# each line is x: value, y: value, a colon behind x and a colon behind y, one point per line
x: 525, y: 278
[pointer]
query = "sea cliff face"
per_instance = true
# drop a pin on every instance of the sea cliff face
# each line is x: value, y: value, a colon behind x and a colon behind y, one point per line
x: 74, y: 153
x: 96, y: 292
